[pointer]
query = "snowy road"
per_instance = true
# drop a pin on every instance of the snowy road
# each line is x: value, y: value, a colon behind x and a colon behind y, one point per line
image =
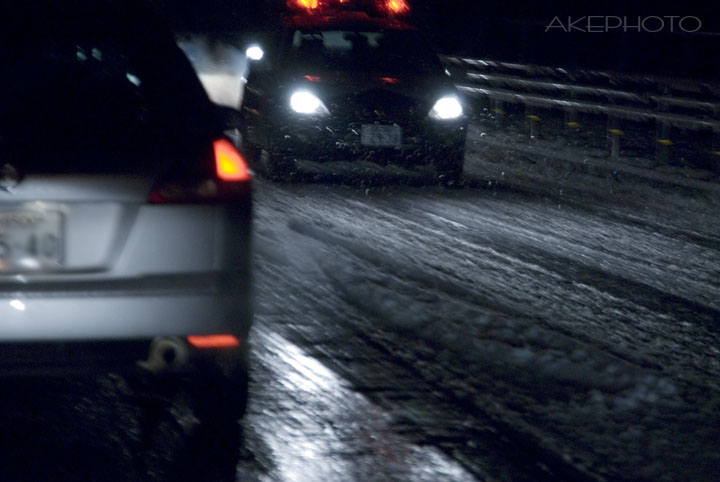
x: 536, y: 324
x: 554, y: 326
x: 510, y: 336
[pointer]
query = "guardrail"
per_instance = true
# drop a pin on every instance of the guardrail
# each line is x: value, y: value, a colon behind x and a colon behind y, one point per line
x: 679, y: 111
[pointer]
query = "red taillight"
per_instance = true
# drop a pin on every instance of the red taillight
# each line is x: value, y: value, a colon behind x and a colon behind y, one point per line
x: 229, y: 163
x: 213, y: 341
x: 313, y: 78
x: 390, y: 80
x: 229, y: 182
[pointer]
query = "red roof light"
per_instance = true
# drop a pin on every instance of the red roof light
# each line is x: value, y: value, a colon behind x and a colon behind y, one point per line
x: 303, y: 4
x: 382, y: 7
x: 397, y: 6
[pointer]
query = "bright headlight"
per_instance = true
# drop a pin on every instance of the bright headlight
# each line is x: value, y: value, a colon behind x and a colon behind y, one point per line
x: 304, y: 102
x: 254, y: 52
x: 446, y: 108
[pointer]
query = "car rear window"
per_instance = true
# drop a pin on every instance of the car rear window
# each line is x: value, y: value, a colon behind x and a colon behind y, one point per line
x: 88, y: 90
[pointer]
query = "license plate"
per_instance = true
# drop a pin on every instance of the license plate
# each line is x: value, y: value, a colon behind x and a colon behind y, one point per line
x: 377, y: 135
x: 30, y: 240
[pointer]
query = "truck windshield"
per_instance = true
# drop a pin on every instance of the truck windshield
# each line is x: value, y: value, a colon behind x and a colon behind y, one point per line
x: 366, y: 51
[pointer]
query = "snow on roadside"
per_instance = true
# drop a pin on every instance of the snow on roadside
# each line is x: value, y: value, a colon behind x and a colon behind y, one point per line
x: 605, y: 415
x: 580, y: 176
x: 480, y: 334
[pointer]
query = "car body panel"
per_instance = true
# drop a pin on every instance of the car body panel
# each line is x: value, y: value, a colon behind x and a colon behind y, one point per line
x: 135, y: 270
x: 115, y: 226
x: 124, y: 314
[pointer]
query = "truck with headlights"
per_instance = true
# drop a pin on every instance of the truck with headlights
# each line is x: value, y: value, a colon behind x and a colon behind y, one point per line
x: 342, y: 82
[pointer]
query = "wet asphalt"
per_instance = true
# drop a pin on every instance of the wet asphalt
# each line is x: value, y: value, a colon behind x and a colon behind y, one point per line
x: 362, y: 366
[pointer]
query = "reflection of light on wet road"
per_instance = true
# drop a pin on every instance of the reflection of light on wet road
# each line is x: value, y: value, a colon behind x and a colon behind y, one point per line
x: 307, y: 373
x: 316, y: 428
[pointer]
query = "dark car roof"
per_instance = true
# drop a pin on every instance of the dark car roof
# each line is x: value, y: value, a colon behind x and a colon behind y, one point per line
x: 95, y: 78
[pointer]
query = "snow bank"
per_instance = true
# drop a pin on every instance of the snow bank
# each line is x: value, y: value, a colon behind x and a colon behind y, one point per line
x: 605, y: 415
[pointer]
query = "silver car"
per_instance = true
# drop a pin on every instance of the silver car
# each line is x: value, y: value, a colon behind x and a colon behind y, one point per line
x: 124, y: 213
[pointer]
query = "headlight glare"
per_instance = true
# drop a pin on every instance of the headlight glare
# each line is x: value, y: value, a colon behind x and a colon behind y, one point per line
x: 446, y: 108
x: 304, y: 102
x: 254, y: 52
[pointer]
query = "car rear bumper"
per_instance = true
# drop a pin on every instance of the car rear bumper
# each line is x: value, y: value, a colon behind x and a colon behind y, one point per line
x: 95, y: 316
x: 131, y: 356
x: 82, y: 330
x: 181, y: 270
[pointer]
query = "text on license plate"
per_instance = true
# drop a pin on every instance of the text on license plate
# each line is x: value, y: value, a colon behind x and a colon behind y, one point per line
x: 30, y: 240
x: 377, y: 135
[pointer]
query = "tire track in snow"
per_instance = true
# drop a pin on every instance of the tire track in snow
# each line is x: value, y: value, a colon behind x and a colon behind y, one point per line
x: 473, y: 270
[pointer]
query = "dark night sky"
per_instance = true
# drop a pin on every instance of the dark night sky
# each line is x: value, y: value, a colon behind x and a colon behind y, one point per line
x: 515, y: 31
